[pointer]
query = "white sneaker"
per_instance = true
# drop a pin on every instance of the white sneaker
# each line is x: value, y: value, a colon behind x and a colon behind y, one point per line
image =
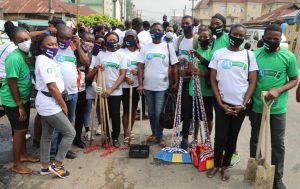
x: 98, y: 131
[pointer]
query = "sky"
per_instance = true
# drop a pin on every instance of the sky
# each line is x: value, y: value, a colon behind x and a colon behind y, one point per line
x: 155, y: 9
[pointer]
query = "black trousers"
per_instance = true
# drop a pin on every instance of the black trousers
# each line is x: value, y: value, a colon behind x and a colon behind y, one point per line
x: 186, y: 109
x: 79, y: 113
x: 277, y: 128
x: 227, y: 129
x: 114, y: 114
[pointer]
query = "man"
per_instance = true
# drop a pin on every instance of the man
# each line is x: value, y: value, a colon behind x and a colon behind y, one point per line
x: 146, y: 25
x: 144, y: 36
x: 196, y: 25
x: 69, y: 54
x: 170, y: 37
x: 278, y: 73
x: 185, y: 44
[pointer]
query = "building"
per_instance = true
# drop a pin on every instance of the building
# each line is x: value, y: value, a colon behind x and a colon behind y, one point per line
x: 271, y: 5
x: 39, y: 9
x: 235, y: 11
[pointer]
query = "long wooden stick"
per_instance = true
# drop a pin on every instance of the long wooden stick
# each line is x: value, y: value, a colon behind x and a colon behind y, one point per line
x: 130, y: 114
x: 102, y: 110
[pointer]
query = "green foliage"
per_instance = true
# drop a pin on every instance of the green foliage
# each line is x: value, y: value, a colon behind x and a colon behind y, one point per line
x: 94, y: 19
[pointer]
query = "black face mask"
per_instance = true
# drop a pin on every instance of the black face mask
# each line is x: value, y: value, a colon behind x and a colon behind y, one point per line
x: 187, y: 29
x: 235, y: 42
x: 218, y: 31
x: 271, y: 46
x: 204, y: 42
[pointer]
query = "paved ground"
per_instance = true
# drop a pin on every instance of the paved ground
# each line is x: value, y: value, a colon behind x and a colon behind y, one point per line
x: 117, y: 171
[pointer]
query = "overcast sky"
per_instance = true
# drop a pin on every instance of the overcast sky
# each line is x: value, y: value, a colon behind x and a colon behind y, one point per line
x: 155, y: 9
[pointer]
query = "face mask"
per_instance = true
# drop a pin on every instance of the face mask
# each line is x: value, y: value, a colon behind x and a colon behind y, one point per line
x: 271, y: 46
x: 169, y: 36
x: 187, y: 29
x: 218, y: 31
x: 204, y: 42
x: 25, y: 46
x: 157, y: 35
x: 87, y: 46
x: 50, y: 52
x: 64, y: 44
x: 96, y: 50
x: 235, y: 42
x: 112, y: 45
x: 130, y: 43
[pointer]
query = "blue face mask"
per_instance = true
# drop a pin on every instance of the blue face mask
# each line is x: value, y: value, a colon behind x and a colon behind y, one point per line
x: 157, y: 35
x: 130, y: 43
x: 187, y: 29
x: 50, y: 52
x: 96, y: 49
x: 112, y: 45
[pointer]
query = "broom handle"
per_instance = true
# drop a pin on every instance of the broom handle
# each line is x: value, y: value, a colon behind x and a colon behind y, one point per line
x: 102, y: 110
x: 130, y: 113
x: 94, y: 110
x: 262, y: 125
x: 106, y: 108
x: 141, y: 119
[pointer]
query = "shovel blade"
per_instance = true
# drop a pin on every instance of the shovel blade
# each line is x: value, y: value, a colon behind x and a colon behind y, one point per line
x: 264, y: 177
x: 250, y: 172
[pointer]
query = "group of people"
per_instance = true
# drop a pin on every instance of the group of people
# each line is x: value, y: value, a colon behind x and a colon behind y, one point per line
x: 63, y: 65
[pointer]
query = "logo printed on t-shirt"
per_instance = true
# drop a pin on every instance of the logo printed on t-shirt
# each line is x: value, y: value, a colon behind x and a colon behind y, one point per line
x: 155, y: 55
x: 111, y: 64
x: 268, y: 72
x: 26, y: 77
x: 49, y: 70
x: 228, y: 64
x: 131, y: 63
x: 62, y: 58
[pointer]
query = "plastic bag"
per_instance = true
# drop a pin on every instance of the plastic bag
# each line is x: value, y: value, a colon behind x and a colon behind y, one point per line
x: 167, y: 114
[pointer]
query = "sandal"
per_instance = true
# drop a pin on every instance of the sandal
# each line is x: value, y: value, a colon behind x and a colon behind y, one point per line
x: 22, y: 172
x: 30, y: 159
x: 126, y: 140
x: 225, y: 174
x: 212, y: 172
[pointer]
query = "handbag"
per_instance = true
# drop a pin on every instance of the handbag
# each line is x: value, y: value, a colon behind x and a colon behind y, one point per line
x: 166, y: 118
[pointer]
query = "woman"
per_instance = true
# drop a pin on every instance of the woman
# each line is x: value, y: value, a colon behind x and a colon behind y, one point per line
x: 51, y: 106
x: 114, y: 66
x: 131, y: 50
x: 15, y: 92
x: 205, y: 36
x: 90, y: 92
x: 154, y: 61
x: 233, y: 79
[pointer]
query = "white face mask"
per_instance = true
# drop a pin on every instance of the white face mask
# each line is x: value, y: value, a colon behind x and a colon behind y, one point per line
x: 25, y: 45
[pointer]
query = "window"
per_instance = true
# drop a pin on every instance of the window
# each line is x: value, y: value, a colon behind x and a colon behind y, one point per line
x: 223, y: 8
x: 253, y: 6
x: 242, y: 9
x: 233, y: 8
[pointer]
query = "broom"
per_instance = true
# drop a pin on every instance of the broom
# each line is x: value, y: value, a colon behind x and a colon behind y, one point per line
x: 95, y: 146
x: 265, y: 173
x: 130, y: 114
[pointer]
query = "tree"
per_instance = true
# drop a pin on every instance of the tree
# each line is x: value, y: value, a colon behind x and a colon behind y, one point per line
x: 94, y: 19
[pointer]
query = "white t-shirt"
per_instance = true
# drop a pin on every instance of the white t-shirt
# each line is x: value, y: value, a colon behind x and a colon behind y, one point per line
x: 90, y: 92
x: 132, y: 64
x: 196, y: 29
x: 47, y: 71
x: 184, y: 47
x: 121, y: 35
x: 113, y: 62
x: 156, y: 60
x: 68, y: 64
x: 5, y: 50
x: 144, y: 38
x: 232, y: 73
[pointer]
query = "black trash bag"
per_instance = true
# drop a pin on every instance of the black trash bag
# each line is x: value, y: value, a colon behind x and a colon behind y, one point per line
x: 167, y: 114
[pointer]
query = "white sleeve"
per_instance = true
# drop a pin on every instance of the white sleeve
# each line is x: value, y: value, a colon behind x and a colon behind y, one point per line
x: 214, y: 61
x: 123, y: 62
x: 141, y: 57
x: 46, y: 70
x: 253, y: 63
x: 173, y: 57
x: 93, y: 62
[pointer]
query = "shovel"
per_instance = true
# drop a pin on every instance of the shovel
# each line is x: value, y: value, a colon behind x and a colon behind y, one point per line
x: 139, y: 150
x: 265, y: 173
x: 250, y: 172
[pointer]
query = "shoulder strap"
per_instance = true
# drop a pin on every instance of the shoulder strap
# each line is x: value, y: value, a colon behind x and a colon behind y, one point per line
x: 195, y: 42
x: 5, y: 49
x: 180, y: 38
x: 248, y: 58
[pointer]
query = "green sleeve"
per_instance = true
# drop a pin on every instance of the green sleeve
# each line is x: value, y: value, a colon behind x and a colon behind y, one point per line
x: 12, y: 67
x: 293, y: 67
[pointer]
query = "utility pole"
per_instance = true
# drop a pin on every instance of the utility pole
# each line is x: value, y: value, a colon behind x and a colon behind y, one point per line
x: 114, y: 8
x: 184, y: 10
x: 78, y: 4
x: 174, y: 17
x: 50, y: 10
x: 193, y: 3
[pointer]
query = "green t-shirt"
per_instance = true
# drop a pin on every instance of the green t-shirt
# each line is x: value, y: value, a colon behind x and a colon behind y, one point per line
x: 16, y: 67
x: 206, y: 90
x: 219, y: 43
x: 274, y: 70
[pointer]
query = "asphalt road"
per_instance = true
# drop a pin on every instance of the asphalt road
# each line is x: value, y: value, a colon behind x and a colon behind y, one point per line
x: 117, y: 171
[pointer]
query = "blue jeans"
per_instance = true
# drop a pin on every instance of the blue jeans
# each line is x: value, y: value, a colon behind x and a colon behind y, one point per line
x: 155, y: 101
x: 87, y: 113
x: 71, y: 103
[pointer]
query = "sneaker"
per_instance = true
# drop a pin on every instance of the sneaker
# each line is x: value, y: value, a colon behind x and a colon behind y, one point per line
x: 278, y: 184
x: 59, y: 171
x: 116, y: 143
x: 45, y: 171
x: 88, y: 136
x: 151, y: 138
x: 71, y: 155
x: 79, y: 143
x: 162, y: 143
x: 184, y: 144
x: 235, y: 159
x: 98, y: 131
